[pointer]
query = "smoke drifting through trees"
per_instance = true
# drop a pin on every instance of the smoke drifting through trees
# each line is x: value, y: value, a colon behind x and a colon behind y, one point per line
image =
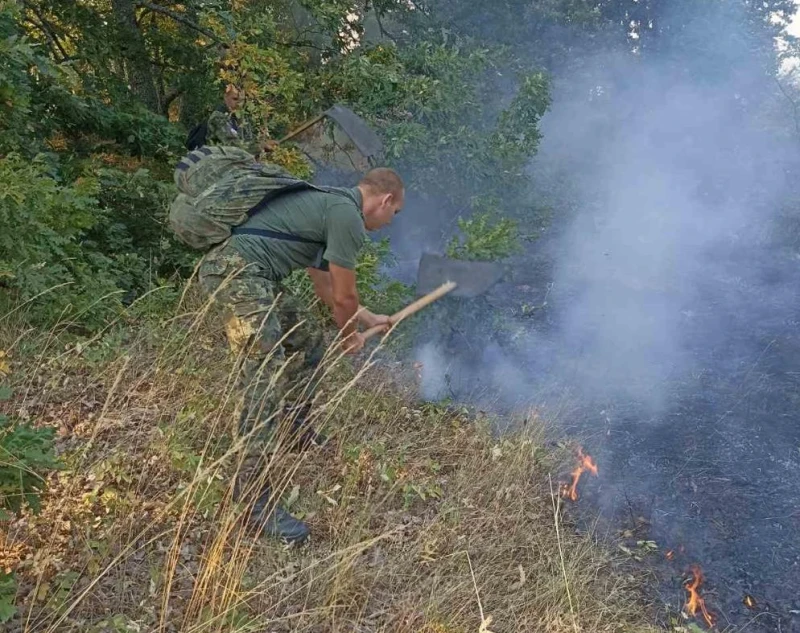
x: 674, y: 168
x: 670, y: 326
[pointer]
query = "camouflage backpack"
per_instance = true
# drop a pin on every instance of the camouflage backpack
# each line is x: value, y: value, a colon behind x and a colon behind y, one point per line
x: 220, y: 188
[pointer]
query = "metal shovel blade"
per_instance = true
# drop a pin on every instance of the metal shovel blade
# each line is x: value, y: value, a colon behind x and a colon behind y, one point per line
x: 362, y: 136
x: 472, y: 278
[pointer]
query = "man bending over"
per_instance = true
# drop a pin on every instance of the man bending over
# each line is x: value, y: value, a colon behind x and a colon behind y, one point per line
x: 321, y: 231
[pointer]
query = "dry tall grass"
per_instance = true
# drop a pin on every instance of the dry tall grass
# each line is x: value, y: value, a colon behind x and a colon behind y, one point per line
x: 421, y: 520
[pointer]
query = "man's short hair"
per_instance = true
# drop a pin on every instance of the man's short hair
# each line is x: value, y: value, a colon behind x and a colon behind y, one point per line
x: 383, y: 180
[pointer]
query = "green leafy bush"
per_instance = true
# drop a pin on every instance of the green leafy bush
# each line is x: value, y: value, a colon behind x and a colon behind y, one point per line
x: 134, y: 229
x: 43, y: 223
x: 18, y: 61
x: 8, y: 594
x: 484, y: 237
x: 26, y: 454
x: 77, y: 248
x: 436, y: 103
x: 381, y: 294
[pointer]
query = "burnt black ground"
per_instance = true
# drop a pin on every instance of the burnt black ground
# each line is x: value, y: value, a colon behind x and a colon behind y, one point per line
x: 716, y: 476
x: 715, y: 472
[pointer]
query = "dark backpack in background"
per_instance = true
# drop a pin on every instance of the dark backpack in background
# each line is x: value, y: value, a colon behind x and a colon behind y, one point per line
x: 199, y: 133
x: 197, y: 136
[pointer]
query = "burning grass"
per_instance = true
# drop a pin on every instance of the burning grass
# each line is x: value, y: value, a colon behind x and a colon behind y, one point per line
x: 695, y: 605
x: 422, y: 521
x: 585, y: 464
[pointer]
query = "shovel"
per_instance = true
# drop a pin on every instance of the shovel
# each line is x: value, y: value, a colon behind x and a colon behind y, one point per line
x: 362, y: 135
x: 438, y: 276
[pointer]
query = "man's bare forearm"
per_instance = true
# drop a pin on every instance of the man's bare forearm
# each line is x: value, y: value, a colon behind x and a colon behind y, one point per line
x: 343, y: 313
x: 323, y: 287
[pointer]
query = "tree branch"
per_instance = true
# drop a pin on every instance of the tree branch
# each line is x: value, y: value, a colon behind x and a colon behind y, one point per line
x: 794, y: 106
x: 55, y: 50
x: 45, y: 27
x: 193, y: 25
x: 383, y: 31
x: 179, y: 18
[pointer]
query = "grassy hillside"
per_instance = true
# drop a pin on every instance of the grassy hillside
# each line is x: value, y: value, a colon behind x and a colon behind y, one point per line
x: 421, y: 520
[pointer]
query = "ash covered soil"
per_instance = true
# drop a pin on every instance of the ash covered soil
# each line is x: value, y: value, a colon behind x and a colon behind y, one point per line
x: 713, y: 475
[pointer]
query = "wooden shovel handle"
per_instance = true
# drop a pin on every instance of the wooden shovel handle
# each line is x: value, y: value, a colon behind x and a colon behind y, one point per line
x: 411, y: 308
x: 302, y: 128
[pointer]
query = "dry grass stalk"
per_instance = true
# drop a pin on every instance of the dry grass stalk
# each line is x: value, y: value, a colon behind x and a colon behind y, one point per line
x: 140, y: 532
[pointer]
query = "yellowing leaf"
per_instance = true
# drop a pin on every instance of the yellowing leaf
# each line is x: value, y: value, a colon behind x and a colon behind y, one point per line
x: 5, y: 366
x: 41, y: 593
x: 294, y: 495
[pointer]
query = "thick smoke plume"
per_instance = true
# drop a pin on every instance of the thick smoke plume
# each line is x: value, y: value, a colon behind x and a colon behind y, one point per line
x: 674, y: 183
x: 666, y: 293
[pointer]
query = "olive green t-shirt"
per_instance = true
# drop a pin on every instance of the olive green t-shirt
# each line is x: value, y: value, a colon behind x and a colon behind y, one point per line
x: 333, y: 220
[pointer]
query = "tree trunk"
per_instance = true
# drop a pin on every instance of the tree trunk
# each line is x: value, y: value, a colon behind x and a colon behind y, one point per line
x: 193, y: 99
x: 137, y: 63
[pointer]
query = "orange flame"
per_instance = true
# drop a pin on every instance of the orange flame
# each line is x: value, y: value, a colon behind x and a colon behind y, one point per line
x: 695, y: 602
x: 585, y: 462
x: 749, y: 601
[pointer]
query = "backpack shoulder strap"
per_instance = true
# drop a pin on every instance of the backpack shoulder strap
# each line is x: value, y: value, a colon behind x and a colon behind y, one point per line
x: 276, y: 235
x: 300, y: 185
x: 292, y: 187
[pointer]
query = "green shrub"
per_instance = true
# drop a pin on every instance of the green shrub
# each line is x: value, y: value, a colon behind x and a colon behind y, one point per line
x: 78, y: 247
x: 26, y: 454
x: 134, y: 229
x: 378, y: 292
x: 8, y: 595
x: 484, y: 237
x: 43, y: 223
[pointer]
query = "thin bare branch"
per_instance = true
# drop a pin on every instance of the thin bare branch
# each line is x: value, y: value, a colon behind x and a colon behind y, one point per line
x: 182, y: 19
x: 47, y: 29
x: 383, y: 31
x: 795, y: 112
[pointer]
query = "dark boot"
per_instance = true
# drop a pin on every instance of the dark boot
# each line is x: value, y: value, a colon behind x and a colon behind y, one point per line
x: 269, y: 518
x: 303, y: 434
x: 307, y: 437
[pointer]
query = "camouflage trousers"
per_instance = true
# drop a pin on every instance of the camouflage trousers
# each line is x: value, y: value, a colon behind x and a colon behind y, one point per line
x: 276, y: 342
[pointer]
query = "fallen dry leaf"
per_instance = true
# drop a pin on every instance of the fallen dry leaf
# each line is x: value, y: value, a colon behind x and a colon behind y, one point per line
x: 521, y: 582
x: 294, y: 495
x: 485, y: 625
